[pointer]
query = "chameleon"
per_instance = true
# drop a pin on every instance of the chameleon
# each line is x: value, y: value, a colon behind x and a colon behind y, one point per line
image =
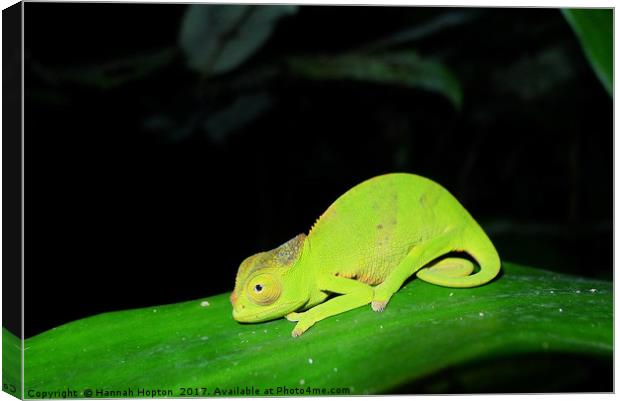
x: 362, y: 249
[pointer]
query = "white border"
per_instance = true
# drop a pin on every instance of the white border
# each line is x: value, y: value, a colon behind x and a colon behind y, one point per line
x: 427, y: 3
x: 540, y: 4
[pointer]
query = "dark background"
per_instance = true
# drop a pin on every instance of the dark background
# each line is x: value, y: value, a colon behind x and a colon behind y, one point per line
x: 11, y: 167
x: 130, y: 201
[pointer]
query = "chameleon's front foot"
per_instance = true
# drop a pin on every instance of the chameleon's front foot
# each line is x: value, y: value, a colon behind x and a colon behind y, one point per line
x: 301, y: 327
x: 380, y: 298
x: 304, y: 322
x: 378, y: 306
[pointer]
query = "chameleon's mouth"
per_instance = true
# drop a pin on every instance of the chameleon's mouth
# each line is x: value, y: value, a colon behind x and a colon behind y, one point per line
x: 253, y: 317
x: 242, y: 315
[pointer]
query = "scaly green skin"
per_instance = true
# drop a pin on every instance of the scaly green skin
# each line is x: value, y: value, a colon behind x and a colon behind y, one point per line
x: 364, y: 247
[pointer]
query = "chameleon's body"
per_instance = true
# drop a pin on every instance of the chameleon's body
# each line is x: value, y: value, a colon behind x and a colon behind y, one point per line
x: 365, y: 245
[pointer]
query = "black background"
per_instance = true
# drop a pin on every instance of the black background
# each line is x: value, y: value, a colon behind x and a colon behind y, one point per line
x: 119, y: 214
x: 11, y: 167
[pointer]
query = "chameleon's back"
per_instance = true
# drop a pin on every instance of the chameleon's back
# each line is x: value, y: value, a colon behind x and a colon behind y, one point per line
x: 366, y: 232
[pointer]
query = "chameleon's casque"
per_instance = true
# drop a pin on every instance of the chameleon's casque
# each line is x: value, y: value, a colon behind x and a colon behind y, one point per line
x: 362, y: 249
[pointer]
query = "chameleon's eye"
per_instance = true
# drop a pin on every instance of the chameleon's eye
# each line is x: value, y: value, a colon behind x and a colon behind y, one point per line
x: 264, y: 289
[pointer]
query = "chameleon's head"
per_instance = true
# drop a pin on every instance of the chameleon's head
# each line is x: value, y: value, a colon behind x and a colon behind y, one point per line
x: 267, y: 285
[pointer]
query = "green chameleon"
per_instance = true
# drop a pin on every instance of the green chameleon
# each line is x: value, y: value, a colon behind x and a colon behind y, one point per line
x: 364, y: 247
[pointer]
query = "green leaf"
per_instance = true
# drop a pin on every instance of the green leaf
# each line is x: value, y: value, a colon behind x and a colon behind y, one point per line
x: 594, y: 28
x: 11, y: 363
x: 425, y: 29
x: 424, y: 329
x: 243, y: 110
x: 110, y: 74
x: 218, y: 38
x: 406, y: 69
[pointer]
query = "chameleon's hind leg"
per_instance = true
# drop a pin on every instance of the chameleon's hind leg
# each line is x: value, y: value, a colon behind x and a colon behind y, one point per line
x: 418, y: 257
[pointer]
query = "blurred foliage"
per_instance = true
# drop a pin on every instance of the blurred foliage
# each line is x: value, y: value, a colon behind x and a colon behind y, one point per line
x: 108, y: 75
x: 218, y: 38
x: 594, y: 28
x: 240, y: 113
x: 424, y: 330
x: 425, y: 28
x: 406, y: 69
x: 529, y: 78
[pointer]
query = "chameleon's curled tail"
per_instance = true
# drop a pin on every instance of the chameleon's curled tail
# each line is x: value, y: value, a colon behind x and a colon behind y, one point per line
x: 478, y: 245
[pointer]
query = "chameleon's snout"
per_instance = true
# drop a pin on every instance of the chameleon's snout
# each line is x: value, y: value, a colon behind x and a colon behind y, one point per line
x: 236, y: 308
x: 240, y: 316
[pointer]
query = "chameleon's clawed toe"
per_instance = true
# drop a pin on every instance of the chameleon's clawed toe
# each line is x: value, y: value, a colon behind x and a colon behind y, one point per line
x: 303, y: 325
x: 378, y: 306
x: 300, y: 328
